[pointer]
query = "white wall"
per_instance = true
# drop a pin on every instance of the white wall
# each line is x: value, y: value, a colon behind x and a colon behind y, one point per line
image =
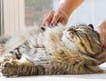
x: 91, y: 11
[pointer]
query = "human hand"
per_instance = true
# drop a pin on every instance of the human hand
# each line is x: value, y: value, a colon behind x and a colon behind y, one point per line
x: 101, y: 57
x: 102, y: 30
x: 52, y: 18
x: 66, y: 7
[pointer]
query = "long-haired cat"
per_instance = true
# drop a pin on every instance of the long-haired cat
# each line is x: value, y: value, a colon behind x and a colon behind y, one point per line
x: 49, y: 51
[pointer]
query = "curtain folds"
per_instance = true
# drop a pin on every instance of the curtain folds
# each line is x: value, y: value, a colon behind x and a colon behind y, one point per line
x: 1, y: 18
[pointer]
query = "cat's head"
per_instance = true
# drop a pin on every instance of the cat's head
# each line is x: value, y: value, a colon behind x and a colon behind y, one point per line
x: 82, y: 38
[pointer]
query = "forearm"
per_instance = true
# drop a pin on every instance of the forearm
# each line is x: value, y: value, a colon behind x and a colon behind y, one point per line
x: 68, y: 6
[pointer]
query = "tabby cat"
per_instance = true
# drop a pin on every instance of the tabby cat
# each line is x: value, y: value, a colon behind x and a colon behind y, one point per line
x: 50, y: 51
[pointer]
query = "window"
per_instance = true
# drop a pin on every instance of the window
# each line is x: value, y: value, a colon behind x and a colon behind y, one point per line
x: 12, y: 16
x: 15, y: 15
x: 34, y: 11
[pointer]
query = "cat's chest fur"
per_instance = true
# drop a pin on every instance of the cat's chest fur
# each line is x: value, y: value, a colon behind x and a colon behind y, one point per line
x: 53, y: 45
x: 42, y: 46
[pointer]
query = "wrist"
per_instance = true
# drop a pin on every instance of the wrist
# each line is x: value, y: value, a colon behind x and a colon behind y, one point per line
x: 68, y: 6
x: 64, y: 14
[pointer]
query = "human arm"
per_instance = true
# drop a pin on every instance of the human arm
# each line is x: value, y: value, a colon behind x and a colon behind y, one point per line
x: 66, y: 7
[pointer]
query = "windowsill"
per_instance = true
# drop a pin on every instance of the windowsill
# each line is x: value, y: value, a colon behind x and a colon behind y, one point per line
x: 87, y: 77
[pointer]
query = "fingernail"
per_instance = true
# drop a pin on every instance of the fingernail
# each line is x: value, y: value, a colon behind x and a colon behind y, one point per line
x: 52, y: 25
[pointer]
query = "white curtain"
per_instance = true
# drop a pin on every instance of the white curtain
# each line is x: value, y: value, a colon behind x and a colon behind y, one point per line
x: 13, y: 16
x: 1, y: 17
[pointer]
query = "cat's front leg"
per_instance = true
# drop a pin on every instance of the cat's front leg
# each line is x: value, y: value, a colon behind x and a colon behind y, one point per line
x: 20, y: 68
x: 7, y: 66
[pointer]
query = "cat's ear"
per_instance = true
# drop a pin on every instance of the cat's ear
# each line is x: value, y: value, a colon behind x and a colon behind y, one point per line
x: 91, y: 25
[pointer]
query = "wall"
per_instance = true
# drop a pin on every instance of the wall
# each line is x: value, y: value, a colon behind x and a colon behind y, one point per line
x: 91, y: 11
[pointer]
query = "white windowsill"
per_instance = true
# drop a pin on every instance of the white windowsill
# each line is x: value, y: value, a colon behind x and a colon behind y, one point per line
x: 84, y: 77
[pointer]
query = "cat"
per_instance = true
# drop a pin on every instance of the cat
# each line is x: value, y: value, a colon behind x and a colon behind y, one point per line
x: 52, y: 51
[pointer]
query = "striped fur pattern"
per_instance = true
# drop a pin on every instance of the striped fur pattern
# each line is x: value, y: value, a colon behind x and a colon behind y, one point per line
x: 51, y: 51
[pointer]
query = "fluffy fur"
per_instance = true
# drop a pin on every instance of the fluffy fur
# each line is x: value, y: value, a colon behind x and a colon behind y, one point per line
x: 58, y: 50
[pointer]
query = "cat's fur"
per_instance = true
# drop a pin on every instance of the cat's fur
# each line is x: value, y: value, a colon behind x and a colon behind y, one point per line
x: 58, y: 50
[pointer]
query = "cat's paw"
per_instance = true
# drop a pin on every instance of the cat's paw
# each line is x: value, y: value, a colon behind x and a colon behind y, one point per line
x: 8, y: 69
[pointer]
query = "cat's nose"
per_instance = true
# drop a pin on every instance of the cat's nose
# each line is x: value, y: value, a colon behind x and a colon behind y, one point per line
x: 42, y: 28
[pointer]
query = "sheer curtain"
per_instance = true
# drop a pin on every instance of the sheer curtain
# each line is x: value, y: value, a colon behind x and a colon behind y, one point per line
x: 18, y: 14
x: 34, y: 11
x: 13, y: 16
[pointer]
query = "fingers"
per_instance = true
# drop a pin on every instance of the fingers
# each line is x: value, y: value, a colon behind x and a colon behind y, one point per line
x: 55, y: 19
x: 59, y: 18
x: 48, y: 18
x: 52, y: 18
x: 63, y: 20
x: 101, y: 57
